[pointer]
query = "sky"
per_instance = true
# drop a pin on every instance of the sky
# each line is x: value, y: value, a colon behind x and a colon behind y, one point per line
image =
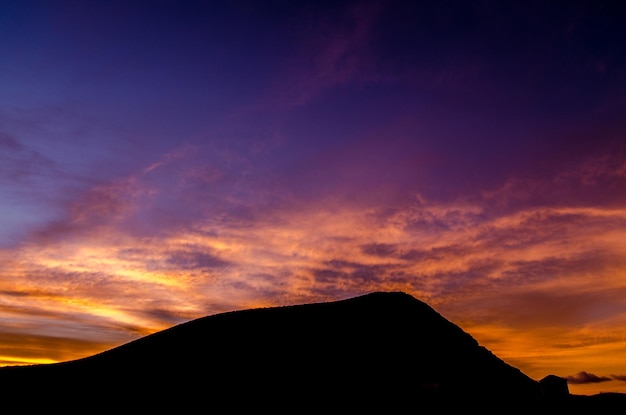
x: 165, y: 160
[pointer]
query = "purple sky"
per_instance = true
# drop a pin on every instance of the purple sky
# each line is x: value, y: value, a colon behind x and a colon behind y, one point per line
x: 164, y: 160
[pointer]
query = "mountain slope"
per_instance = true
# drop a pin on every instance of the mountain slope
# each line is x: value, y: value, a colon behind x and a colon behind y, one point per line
x: 385, y: 350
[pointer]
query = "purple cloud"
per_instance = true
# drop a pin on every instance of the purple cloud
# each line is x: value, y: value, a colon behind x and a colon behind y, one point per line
x: 584, y: 377
x: 338, y: 54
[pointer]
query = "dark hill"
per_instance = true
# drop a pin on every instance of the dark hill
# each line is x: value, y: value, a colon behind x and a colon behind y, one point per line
x: 386, y: 351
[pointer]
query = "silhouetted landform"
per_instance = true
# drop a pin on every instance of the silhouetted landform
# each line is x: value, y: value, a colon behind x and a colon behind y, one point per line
x: 384, y: 352
x: 554, y: 386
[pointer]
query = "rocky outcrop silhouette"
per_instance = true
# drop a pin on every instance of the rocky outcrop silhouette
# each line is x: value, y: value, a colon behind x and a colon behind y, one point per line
x: 554, y: 387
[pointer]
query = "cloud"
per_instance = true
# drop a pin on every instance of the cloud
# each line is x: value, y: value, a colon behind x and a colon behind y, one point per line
x: 337, y: 54
x: 9, y: 143
x: 167, y: 316
x: 584, y: 377
x: 537, y: 304
x: 20, y: 164
x: 19, y: 348
x: 619, y: 377
x: 607, y: 167
x: 102, y: 206
x: 190, y: 260
x: 379, y: 250
x: 580, y: 180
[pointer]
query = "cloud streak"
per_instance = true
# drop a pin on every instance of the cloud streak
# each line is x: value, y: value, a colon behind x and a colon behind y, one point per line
x: 584, y: 377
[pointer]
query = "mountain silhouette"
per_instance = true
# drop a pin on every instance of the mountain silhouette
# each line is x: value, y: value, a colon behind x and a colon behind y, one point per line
x: 384, y: 351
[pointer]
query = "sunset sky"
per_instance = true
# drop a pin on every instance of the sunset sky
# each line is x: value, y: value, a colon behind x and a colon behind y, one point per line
x: 165, y: 160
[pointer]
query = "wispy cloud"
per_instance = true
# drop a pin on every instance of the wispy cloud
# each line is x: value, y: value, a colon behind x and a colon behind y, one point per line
x: 18, y: 162
x: 337, y: 54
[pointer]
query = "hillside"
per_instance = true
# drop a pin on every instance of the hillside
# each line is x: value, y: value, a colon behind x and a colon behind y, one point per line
x: 388, y: 351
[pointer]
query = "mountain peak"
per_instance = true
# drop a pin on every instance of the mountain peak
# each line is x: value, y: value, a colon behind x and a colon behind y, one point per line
x: 381, y: 348
x: 387, y: 296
